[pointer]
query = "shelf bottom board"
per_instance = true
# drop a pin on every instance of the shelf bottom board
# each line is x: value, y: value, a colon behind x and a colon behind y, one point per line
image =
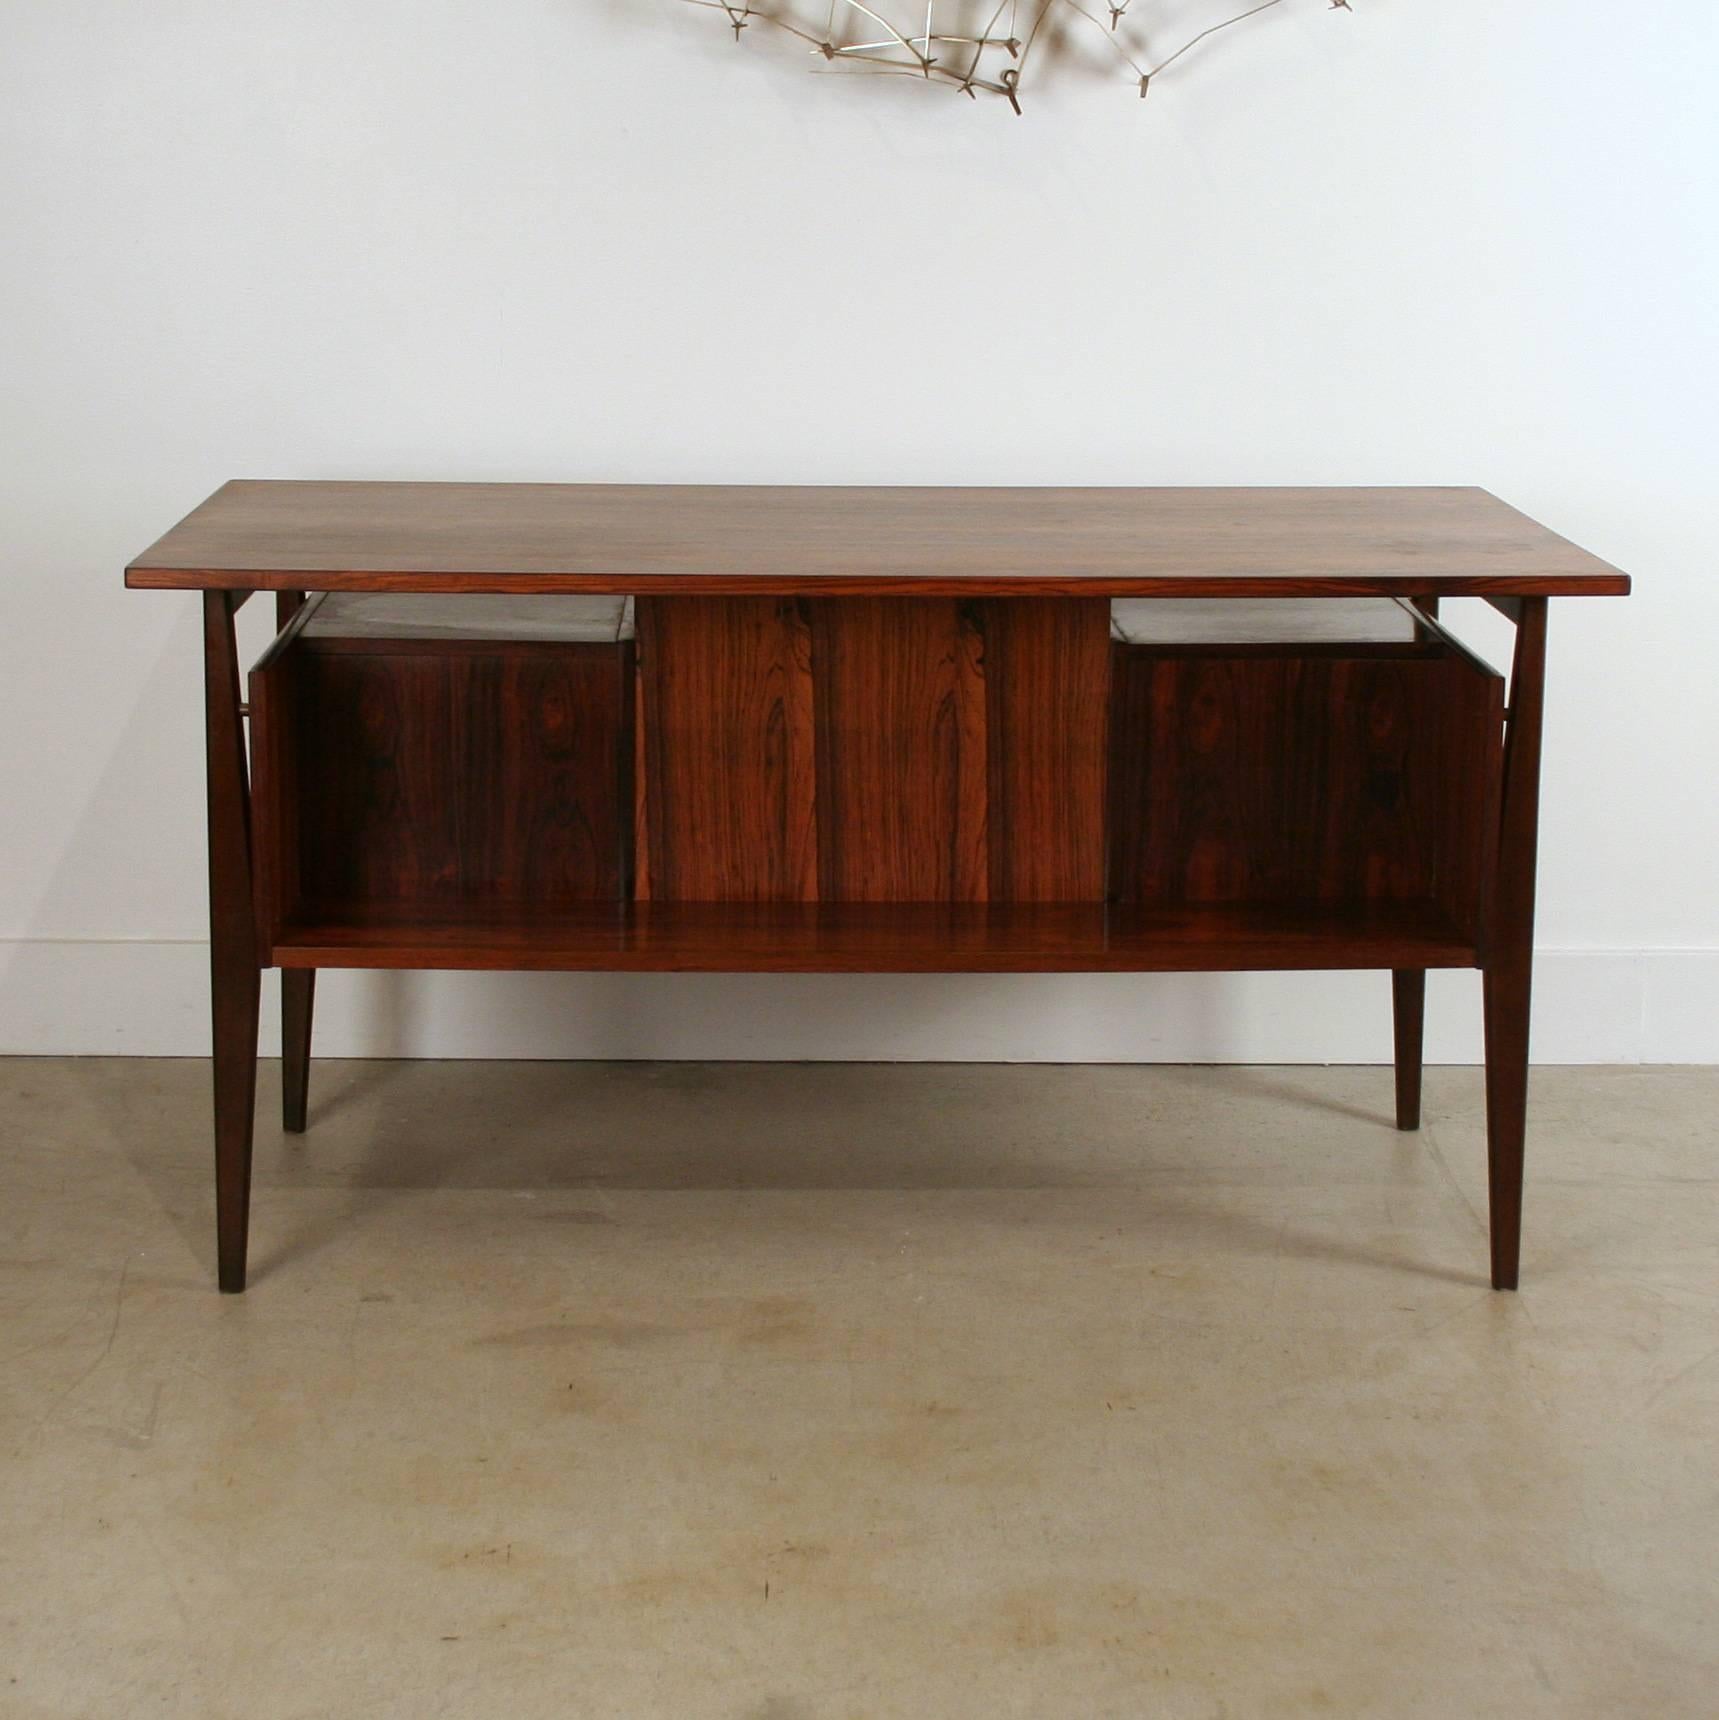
x: 856, y: 937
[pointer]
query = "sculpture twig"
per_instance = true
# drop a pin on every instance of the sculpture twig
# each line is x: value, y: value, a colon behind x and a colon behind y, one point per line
x: 861, y: 36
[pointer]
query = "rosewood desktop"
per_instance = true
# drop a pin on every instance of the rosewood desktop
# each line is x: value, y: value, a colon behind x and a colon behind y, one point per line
x: 850, y: 730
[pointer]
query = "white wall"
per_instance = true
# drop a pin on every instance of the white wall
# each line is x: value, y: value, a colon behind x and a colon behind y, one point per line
x: 587, y: 239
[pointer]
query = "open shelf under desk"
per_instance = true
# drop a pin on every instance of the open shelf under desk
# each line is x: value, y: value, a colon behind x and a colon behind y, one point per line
x: 854, y: 937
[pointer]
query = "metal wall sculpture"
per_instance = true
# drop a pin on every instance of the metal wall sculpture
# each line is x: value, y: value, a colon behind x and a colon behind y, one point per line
x: 985, y: 46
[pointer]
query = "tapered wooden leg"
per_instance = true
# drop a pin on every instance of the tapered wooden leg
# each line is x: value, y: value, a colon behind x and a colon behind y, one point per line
x: 234, y: 971
x: 1409, y: 1010
x: 1510, y: 956
x: 298, y: 995
x: 1506, y: 1007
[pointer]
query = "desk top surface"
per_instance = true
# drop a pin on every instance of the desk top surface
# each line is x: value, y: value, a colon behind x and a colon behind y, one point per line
x: 733, y: 539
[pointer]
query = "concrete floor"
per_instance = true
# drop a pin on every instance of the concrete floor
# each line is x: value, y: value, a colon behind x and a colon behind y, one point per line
x: 806, y: 1393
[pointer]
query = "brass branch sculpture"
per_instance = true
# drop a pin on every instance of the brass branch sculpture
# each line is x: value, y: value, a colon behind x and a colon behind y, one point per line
x: 973, y: 46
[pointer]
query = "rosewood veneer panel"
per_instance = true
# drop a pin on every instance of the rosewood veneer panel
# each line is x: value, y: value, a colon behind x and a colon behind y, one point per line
x: 873, y: 749
x: 900, y: 701
x: 1047, y: 680
x: 725, y: 712
x: 1303, y: 779
x: 442, y: 779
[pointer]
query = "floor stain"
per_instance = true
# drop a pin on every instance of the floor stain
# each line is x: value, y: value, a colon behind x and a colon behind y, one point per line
x: 780, y: 1708
x: 620, y: 1334
x: 764, y: 1321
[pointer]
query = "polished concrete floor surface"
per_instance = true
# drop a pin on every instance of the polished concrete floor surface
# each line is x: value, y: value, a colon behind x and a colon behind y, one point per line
x: 818, y: 1392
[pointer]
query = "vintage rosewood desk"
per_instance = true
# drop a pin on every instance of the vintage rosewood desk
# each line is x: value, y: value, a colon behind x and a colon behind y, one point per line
x: 847, y: 730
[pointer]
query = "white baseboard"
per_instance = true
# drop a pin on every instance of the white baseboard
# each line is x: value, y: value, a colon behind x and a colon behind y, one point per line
x: 150, y: 999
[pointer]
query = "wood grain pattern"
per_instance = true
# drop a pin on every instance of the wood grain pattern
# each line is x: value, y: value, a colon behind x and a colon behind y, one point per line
x: 641, y: 798
x: 874, y: 750
x: 1364, y: 725
x: 1302, y: 779
x: 734, y: 540
x: 499, y: 776
x: 1188, y: 744
x: 1047, y: 681
x: 1468, y: 764
x: 874, y: 937
x: 730, y: 772
x: 899, y: 697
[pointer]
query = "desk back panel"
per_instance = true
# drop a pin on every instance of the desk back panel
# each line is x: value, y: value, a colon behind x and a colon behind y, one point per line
x: 727, y: 768
x: 873, y: 749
